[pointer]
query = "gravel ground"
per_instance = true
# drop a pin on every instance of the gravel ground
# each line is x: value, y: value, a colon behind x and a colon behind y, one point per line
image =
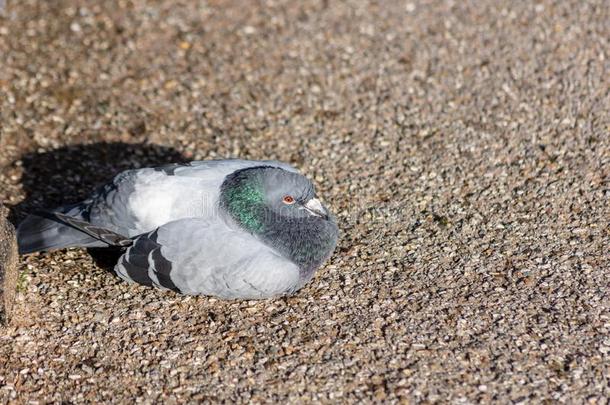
x: 463, y: 145
x: 8, y: 267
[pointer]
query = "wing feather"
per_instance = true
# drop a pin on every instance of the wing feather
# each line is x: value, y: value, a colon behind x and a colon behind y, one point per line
x: 204, y: 257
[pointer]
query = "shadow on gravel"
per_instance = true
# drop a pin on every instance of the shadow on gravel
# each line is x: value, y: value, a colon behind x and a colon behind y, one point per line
x: 69, y: 174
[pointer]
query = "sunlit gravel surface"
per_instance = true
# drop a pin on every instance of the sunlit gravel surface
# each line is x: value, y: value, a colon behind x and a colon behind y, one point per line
x: 463, y: 145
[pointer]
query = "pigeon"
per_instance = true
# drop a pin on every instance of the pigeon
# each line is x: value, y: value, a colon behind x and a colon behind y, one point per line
x: 233, y: 229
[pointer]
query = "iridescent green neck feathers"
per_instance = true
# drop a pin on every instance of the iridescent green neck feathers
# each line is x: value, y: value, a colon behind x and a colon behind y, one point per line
x: 244, y: 201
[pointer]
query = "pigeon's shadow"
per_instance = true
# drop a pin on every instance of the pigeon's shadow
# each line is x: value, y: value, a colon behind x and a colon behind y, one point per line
x: 69, y: 174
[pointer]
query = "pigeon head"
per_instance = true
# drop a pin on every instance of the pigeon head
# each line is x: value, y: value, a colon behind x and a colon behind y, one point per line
x: 260, y: 196
x: 282, y: 208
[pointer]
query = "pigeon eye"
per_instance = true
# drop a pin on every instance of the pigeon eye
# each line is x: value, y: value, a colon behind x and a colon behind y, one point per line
x: 288, y: 199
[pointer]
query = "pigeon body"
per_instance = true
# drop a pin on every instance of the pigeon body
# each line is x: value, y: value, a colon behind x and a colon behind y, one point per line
x: 227, y: 228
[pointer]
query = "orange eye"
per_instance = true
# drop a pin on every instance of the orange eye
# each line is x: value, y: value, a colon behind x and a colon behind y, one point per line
x: 288, y: 199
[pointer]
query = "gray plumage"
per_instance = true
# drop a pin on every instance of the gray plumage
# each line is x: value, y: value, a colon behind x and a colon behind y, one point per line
x: 228, y: 228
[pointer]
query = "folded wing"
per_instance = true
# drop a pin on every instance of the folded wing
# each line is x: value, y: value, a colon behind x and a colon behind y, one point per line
x: 206, y: 257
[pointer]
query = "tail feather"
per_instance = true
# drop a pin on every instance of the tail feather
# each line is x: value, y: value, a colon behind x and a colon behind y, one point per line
x: 37, y: 233
x: 56, y: 230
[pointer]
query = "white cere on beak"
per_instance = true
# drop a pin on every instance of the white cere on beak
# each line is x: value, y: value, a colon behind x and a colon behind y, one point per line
x: 314, y: 206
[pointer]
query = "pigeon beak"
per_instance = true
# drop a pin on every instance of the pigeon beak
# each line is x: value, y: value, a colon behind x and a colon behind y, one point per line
x: 315, y: 207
